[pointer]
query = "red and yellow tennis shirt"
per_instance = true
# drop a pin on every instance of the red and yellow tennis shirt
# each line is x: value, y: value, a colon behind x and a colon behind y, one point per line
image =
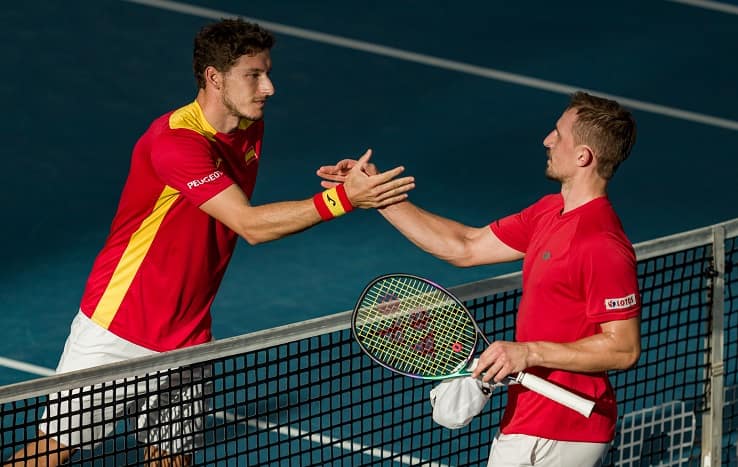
x: 156, y: 277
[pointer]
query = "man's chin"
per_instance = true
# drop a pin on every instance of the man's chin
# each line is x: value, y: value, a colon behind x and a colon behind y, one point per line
x: 251, y: 113
x: 253, y: 116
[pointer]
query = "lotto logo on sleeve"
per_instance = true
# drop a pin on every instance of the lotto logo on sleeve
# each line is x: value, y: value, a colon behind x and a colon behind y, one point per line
x: 620, y: 303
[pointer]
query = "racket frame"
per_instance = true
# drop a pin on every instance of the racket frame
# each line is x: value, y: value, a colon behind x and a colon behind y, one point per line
x: 529, y: 380
x: 462, y: 367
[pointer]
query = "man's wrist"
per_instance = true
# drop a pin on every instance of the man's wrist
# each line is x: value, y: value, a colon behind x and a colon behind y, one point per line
x: 332, y: 202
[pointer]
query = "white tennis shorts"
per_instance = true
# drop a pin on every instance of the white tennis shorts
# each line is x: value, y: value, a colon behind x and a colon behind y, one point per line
x: 170, y: 418
x: 522, y: 450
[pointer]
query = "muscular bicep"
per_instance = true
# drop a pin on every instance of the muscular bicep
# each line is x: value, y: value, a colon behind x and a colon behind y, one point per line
x: 616, y: 347
x: 484, y: 247
x: 624, y: 341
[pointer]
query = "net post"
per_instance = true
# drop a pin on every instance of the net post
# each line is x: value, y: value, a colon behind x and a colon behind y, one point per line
x: 712, y: 426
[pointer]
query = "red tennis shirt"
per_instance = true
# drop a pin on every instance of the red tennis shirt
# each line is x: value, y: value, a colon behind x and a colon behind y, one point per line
x: 579, y: 271
x: 156, y: 277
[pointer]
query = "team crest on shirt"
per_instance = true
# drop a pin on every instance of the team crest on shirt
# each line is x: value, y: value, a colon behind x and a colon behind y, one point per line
x: 250, y: 155
x: 620, y: 303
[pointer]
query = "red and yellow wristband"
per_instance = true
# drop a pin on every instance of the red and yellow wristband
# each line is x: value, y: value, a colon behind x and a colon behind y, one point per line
x: 332, y: 203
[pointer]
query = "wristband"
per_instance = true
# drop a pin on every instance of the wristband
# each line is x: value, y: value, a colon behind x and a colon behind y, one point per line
x: 333, y: 202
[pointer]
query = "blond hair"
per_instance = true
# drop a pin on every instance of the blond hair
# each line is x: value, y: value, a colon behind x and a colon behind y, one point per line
x: 605, y: 126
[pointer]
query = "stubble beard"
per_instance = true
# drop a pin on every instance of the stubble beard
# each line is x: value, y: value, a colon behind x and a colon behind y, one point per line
x: 551, y: 175
x: 549, y: 171
x: 233, y: 109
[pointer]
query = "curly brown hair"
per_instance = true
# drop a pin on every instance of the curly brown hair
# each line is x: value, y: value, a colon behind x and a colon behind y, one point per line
x: 221, y: 44
x: 605, y: 126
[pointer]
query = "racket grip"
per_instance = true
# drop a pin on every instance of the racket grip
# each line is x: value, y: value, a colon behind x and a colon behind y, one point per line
x: 556, y: 393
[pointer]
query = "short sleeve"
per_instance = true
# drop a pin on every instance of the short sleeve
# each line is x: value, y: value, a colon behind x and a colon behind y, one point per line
x: 609, y: 279
x: 516, y: 230
x: 512, y: 231
x: 184, y: 160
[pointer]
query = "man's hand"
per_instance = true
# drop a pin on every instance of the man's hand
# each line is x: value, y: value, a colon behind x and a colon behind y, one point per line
x: 617, y: 347
x: 501, y: 359
x: 364, y: 185
x: 332, y: 175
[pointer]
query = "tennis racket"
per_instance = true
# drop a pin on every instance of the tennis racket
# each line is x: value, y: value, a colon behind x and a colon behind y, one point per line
x: 417, y: 328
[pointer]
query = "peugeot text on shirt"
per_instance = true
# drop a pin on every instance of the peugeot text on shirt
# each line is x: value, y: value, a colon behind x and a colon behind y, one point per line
x: 213, y: 176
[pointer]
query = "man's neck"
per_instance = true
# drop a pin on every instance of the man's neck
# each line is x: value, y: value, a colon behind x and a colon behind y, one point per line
x: 215, y: 112
x: 579, y: 194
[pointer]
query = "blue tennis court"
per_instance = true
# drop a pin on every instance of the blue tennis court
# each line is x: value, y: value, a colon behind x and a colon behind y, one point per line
x: 461, y: 96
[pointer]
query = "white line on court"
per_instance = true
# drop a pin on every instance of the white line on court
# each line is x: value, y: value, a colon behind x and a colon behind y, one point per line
x: 27, y: 367
x: 443, y: 63
x: 286, y: 431
x: 708, y: 5
x: 325, y: 440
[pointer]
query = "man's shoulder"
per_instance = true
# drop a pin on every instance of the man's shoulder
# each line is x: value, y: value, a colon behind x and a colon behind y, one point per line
x: 551, y: 199
x: 179, y: 126
x: 187, y: 121
x: 551, y: 203
x: 602, y: 230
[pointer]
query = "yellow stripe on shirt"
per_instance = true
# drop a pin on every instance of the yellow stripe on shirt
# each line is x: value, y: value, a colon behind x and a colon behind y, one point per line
x: 132, y: 258
x: 192, y: 118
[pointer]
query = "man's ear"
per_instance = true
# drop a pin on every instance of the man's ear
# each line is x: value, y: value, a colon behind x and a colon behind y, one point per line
x: 585, y: 155
x: 213, y: 77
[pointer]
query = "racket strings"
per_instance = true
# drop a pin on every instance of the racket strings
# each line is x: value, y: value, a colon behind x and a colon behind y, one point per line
x: 415, y: 328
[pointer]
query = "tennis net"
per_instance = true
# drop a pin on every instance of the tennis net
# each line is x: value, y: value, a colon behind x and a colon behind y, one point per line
x: 304, y: 394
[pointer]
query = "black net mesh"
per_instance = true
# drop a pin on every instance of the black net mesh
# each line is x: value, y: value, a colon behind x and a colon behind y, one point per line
x: 320, y: 401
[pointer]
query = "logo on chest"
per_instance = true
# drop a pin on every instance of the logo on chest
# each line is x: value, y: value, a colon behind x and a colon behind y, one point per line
x: 546, y: 255
x: 250, y: 156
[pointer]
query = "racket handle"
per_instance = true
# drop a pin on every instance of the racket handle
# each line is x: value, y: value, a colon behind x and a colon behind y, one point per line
x: 556, y: 393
